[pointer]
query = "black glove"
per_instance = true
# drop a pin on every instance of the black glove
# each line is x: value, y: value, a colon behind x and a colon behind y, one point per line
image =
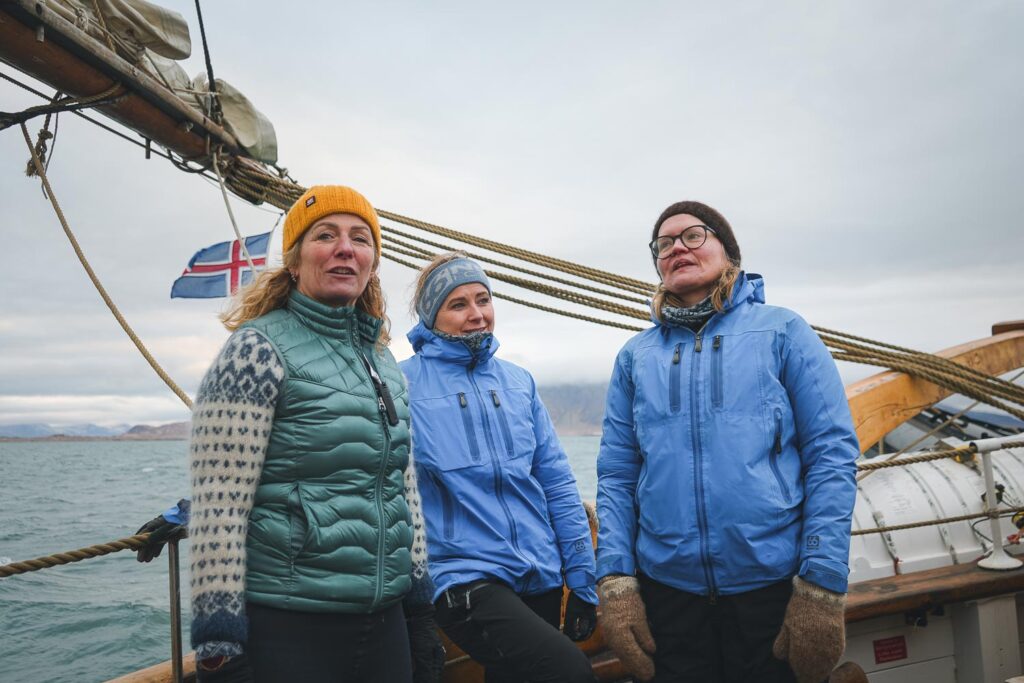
x: 162, y: 528
x: 424, y: 644
x: 580, y: 618
x: 228, y: 670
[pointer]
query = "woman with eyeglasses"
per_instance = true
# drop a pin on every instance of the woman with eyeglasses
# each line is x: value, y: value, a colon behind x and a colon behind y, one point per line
x: 725, y: 477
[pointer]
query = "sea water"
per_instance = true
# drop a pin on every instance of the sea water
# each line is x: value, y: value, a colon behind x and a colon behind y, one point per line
x: 104, y: 617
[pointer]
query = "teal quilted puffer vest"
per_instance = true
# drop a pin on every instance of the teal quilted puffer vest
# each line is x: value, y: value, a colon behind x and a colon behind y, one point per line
x: 329, y: 529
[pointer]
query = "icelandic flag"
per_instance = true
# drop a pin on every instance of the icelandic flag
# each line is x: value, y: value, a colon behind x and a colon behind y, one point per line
x: 219, y: 270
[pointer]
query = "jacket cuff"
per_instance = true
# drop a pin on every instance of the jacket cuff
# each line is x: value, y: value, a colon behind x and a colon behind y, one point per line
x: 615, y: 563
x: 581, y: 582
x: 829, y: 575
x: 217, y: 648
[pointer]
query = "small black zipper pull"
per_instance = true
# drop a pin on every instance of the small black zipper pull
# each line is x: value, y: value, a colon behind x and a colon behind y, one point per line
x: 778, y: 442
x: 494, y: 397
x: 697, y: 347
x: 462, y: 400
x: 385, y: 404
x: 675, y: 356
x: 717, y: 343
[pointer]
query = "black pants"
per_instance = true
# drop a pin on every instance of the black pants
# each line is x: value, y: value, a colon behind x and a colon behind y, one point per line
x: 287, y: 646
x: 515, y: 637
x: 728, y: 641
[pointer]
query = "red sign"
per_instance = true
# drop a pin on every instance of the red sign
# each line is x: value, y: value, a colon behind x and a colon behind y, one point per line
x: 890, y: 649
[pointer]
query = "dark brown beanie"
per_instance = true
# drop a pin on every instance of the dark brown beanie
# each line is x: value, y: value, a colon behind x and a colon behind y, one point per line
x: 711, y: 218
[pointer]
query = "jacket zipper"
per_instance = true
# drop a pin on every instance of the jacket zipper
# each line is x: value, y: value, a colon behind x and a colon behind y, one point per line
x: 716, y: 372
x: 673, y: 381
x: 496, y: 470
x: 467, y: 424
x: 379, y: 488
x: 446, y: 506
x: 702, y: 513
x: 773, y: 457
x: 506, y: 432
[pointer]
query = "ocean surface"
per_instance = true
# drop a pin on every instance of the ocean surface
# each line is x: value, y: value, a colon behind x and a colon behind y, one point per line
x: 104, y: 617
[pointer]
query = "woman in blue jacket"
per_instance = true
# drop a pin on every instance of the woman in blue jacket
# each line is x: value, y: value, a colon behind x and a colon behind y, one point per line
x: 725, y: 477
x: 505, y: 525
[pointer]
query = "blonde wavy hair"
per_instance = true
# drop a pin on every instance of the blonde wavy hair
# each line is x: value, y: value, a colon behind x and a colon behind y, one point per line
x: 421, y: 279
x: 720, y: 294
x: 272, y: 287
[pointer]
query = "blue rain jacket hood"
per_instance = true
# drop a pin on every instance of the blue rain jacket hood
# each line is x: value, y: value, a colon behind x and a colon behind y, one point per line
x: 499, y: 498
x: 727, y: 456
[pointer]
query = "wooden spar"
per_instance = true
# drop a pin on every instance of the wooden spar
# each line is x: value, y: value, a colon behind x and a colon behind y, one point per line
x: 73, y: 62
x: 882, y: 402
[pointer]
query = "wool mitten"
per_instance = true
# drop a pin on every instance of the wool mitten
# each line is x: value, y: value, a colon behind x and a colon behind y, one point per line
x: 848, y: 672
x: 813, y: 631
x: 623, y: 620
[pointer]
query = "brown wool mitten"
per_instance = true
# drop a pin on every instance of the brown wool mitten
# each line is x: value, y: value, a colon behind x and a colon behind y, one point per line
x: 813, y: 631
x: 848, y: 672
x: 623, y: 620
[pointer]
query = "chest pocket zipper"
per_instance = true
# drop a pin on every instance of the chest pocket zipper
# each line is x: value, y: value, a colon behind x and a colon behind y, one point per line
x: 673, y: 380
x: 467, y: 424
x: 447, y: 510
x: 776, y: 452
x: 503, y: 421
x: 717, y: 391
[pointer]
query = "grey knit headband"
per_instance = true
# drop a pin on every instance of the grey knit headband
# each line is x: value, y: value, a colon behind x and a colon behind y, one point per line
x: 440, y: 283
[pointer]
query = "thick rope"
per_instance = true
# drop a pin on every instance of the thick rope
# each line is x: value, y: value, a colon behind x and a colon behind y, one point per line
x: 541, y: 288
x: 933, y: 522
x: 227, y: 205
x: 89, y: 552
x: 929, y: 457
x: 505, y: 264
x: 529, y: 304
x: 68, y: 103
x: 95, y: 280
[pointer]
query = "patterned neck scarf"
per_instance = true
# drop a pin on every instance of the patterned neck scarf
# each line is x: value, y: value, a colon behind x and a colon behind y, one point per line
x: 693, y: 317
x: 474, y: 341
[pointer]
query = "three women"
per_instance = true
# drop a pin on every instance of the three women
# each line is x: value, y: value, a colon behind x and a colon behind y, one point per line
x: 725, y: 477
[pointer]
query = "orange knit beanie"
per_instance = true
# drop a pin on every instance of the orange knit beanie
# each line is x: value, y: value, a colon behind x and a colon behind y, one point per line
x: 323, y: 200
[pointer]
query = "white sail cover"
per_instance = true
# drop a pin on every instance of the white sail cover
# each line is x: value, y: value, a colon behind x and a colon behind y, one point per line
x: 253, y: 130
x: 132, y: 25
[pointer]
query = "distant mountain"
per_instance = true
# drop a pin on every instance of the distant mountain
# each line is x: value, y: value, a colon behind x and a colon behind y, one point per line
x: 576, y: 409
x: 92, y: 432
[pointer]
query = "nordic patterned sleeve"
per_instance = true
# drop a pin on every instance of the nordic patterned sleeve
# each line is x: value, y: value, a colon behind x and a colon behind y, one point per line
x: 422, y: 586
x: 231, y: 422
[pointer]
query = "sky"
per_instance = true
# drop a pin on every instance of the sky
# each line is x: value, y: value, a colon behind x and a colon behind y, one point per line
x: 867, y: 154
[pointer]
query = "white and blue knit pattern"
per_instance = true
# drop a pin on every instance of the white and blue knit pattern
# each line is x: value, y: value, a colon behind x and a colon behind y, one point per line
x: 231, y: 422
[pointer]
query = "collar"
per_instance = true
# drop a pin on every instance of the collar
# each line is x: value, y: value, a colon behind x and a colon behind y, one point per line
x: 344, y: 322
x: 431, y: 345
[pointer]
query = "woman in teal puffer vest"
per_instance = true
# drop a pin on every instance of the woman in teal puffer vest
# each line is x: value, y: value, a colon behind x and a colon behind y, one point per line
x: 306, y: 535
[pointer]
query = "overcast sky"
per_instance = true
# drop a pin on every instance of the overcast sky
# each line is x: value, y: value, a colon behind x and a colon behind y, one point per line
x: 868, y: 155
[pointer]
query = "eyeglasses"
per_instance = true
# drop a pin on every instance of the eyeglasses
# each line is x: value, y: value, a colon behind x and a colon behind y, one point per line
x: 692, y: 238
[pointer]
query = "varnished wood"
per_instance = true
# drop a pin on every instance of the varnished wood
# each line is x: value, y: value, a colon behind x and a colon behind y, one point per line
x: 884, y: 401
x: 74, y: 63
x: 928, y: 589
x: 161, y: 673
x: 1008, y: 326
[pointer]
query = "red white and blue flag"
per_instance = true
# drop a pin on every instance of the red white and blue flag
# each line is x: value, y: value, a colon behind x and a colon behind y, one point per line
x: 219, y: 270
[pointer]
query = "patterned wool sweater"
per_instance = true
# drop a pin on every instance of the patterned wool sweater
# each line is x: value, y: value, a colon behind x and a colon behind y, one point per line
x: 232, y: 418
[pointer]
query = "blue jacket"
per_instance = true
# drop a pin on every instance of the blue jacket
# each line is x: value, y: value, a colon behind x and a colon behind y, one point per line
x: 499, y: 498
x: 727, y: 458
